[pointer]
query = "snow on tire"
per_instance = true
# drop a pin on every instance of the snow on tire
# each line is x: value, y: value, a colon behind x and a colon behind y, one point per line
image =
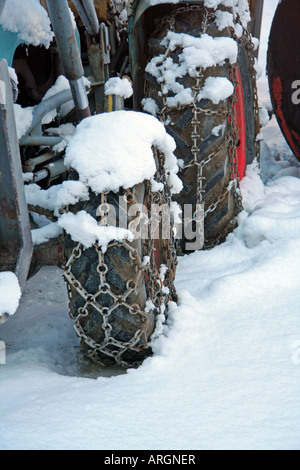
x: 119, y: 264
x: 199, y: 82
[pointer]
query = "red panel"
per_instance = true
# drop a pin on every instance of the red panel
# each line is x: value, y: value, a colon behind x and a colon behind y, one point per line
x: 291, y: 136
x: 240, y: 119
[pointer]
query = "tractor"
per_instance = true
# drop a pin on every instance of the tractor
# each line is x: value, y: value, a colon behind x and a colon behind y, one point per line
x: 125, y: 129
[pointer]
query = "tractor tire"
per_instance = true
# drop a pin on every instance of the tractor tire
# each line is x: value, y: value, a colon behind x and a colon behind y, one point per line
x: 223, y: 133
x: 117, y: 294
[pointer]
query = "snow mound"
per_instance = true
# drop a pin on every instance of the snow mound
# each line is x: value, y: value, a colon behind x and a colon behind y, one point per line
x: 114, y: 150
x: 29, y: 19
x: 23, y: 118
x: 108, y: 151
x: 203, y: 52
x: 216, y: 89
x: 118, y: 86
x: 57, y: 196
x: 10, y: 293
x: 84, y: 229
x: 239, y: 7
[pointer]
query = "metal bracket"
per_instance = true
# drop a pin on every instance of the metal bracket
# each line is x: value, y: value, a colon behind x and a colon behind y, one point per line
x: 99, y: 59
x: 88, y: 15
x: 34, y: 135
x: 69, y: 53
x: 256, y: 10
x: 15, y: 236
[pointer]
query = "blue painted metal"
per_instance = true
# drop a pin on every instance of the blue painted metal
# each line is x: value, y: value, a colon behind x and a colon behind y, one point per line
x: 34, y: 135
x: 69, y: 53
x: 87, y: 12
x: 10, y: 41
x: 65, y: 38
x: 8, y: 45
x: 2, y: 4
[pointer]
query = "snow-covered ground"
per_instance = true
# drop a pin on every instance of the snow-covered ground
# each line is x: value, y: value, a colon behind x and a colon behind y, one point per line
x: 226, y: 372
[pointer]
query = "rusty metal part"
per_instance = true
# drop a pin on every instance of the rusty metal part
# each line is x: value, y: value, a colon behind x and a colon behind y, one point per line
x: 99, y: 60
x: 65, y: 38
x: 49, y: 172
x: 256, y: 12
x: 3, y: 318
x: 32, y: 163
x: 34, y: 135
x: 88, y: 15
x: 47, y: 254
x: 69, y: 53
x: 15, y: 237
x: 80, y: 98
x: 42, y: 211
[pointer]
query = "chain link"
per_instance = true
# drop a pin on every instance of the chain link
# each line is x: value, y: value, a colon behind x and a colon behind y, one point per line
x: 160, y: 289
x: 232, y: 137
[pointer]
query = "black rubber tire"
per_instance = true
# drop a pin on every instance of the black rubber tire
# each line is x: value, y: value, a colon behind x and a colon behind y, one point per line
x: 217, y: 173
x: 122, y: 270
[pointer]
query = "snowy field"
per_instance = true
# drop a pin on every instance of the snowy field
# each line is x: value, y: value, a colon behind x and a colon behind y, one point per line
x: 226, y: 372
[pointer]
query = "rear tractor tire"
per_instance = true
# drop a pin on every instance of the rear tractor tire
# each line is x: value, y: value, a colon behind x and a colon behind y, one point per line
x: 215, y: 140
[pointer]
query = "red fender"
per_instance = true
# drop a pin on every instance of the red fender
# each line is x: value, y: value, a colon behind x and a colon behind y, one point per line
x: 283, y: 68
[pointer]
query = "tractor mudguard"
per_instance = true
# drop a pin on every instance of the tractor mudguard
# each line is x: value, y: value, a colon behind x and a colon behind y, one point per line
x: 283, y: 68
x: 8, y: 45
x: 8, y: 41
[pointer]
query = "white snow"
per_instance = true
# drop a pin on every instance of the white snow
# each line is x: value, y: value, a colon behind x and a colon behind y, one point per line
x: 225, y: 372
x: 65, y: 131
x: 45, y: 233
x: 118, y: 86
x: 117, y: 150
x: 83, y: 228
x: 149, y: 106
x: 13, y: 76
x: 216, y: 89
x: 61, y: 84
x: 157, y: 2
x: 240, y: 7
x: 29, y: 19
x: 57, y: 196
x: 104, y: 162
x: 218, y: 130
x: 206, y: 51
x: 23, y: 118
x: 53, y: 199
x: 264, y: 117
x: 10, y: 293
x: 224, y: 19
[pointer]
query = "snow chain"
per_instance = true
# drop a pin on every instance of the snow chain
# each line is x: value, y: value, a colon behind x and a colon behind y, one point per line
x: 160, y: 289
x: 232, y: 129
